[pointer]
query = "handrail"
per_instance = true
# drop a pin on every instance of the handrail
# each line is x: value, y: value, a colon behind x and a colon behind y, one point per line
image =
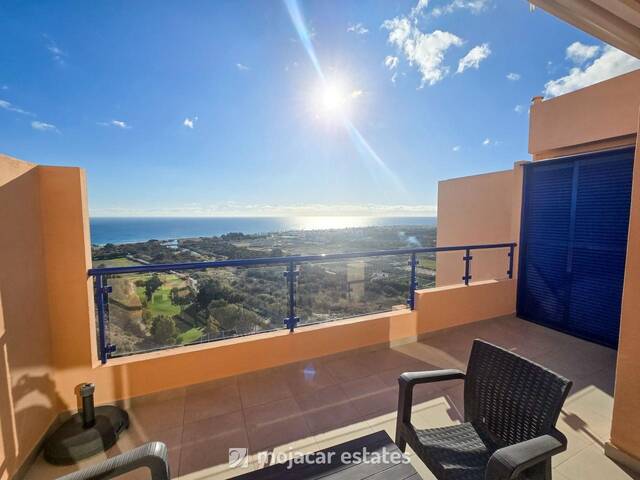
x: 102, y: 289
x: 296, y: 259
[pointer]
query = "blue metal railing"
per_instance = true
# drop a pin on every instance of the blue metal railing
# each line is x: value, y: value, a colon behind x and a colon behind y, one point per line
x: 102, y: 289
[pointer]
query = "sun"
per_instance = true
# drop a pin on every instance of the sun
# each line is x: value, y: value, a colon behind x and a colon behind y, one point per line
x: 332, y: 100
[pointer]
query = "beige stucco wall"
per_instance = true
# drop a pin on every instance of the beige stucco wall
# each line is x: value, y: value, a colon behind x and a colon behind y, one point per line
x: 28, y: 400
x: 65, y: 224
x: 476, y: 210
x: 625, y: 430
x: 445, y: 307
x: 601, y: 116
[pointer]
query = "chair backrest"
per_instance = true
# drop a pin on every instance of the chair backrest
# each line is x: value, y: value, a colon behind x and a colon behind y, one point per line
x: 513, y: 399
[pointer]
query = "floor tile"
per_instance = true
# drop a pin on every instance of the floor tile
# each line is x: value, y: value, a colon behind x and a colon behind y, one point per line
x: 370, y: 396
x: 348, y: 368
x: 438, y: 356
x: 212, y: 427
x: 390, y: 376
x: 307, y: 377
x: 592, y: 464
x: 210, y: 400
x: 275, y: 423
x: 559, y: 476
x: 210, y: 452
x: 327, y: 409
x: 577, y: 438
x: 157, y: 414
x: 435, y: 413
x: 134, y: 437
x: 592, y: 394
x: 206, y: 443
x: 386, y: 359
x: 264, y: 387
x: 219, y: 472
x: 343, y: 434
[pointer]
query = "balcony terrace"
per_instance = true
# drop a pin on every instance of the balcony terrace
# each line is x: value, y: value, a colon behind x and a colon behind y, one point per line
x: 274, y: 391
x: 309, y: 405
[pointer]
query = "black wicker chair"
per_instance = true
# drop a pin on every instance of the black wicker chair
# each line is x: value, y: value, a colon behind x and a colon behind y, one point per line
x: 511, y: 406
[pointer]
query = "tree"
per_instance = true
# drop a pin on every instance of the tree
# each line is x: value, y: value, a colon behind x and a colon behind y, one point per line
x: 211, y: 290
x: 147, y: 318
x: 234, y: 318
x: 212, y: 325
x: 163, y: 330
x: 181, y: 297
x: 152, y: 285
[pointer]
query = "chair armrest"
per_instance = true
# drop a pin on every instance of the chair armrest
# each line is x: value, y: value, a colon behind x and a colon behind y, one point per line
x: 509, y: 462
x: 415, y: 378
x: 409, y: 379
x: 151, y: 455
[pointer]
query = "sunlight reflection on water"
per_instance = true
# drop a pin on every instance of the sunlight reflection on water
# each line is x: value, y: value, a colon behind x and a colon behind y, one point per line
x: 325, y: 223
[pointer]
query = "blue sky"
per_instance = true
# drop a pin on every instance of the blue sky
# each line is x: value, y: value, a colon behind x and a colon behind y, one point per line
x: 216, y: 108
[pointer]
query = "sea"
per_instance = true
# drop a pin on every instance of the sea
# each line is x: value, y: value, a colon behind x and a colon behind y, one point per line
x: 140, y: 229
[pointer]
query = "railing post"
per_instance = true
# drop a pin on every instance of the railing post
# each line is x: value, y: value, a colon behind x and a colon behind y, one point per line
x: 411, y: 301
x: 101, y: 297
x: 291, y: 274
x: 467, y: 266
x: 510, y: 271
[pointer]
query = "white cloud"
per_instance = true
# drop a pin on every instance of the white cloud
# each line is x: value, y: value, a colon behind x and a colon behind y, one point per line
x: 424, y: 50
x: 233, y: 209
x: 456, y: 148
x: 43, y: 127
x: 611, y: 63
x: 400, y: 29
x: 474, y: 6
x: 486, y: 142
x: 519, y: 109
x: 579, y: 52
x: 190, y: 122
x: 115, y: 123
x: 356, y: 93
x: 428, y: 50
x: 357, y: 28
x: 514, y: 77
x: 472, y: 59
x: 242, y: 67
x: 57, y: 53
x: 391, y: 62
x: 12, y: 108
x: 420, y: 6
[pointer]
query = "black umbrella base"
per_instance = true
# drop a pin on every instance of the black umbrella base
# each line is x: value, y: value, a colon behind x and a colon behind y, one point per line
x: 72, y: 442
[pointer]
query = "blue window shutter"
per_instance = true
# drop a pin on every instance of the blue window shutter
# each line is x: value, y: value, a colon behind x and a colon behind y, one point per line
x: 574, y: 234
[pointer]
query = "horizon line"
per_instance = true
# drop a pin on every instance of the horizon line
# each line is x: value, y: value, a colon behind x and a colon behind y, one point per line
x: 271, y: 216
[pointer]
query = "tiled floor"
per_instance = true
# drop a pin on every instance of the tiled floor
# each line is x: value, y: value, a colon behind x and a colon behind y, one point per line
x: 325, y: 401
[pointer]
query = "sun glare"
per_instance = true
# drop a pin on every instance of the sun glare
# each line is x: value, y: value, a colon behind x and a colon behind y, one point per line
x: 332, y: 101
x: 333, y: 98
